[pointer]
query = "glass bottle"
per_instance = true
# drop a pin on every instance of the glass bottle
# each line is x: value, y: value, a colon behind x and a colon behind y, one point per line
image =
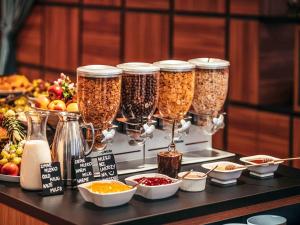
x: 36, y: 150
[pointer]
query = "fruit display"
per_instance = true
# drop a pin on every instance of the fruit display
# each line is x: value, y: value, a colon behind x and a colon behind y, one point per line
x: 18, y: 104
x: 39, y: 87
x: 14, y: 83
x: 61, y: 96
x: 13, y: 132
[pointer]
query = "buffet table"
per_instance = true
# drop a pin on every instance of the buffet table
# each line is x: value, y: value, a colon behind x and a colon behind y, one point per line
x: 214, y: 204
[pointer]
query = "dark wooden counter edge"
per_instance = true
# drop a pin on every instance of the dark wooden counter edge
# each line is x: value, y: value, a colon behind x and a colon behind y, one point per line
x: 158, y: 218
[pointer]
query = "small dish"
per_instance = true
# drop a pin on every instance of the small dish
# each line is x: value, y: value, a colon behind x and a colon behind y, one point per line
x: 193, y: 182
x: 107, y: 199
x: 261, y: 170
x: 154, y: 192
x: 266, y: 220
x: 224, y: 177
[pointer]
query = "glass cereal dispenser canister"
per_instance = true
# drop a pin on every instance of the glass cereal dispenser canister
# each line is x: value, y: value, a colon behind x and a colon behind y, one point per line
x: 211, y: 87
x: 99, y: 91
x: 139, y: 91
x: 139, y: 101
x: 176, y: 91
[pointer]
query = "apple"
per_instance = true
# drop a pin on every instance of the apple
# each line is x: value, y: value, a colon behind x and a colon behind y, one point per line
x: 57, y: 105
x: 55, y: 92
x: 72, y: 107
x: 42, y: 102
x: 10, y: 169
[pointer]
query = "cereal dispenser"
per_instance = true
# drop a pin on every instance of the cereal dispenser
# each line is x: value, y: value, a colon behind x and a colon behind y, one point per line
x: 99, y: 90
x: 139, y: 100
x: 176, y: 91
x: 211, y: 87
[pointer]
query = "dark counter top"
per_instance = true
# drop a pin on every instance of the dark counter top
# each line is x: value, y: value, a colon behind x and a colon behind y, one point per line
x: 70, y: 208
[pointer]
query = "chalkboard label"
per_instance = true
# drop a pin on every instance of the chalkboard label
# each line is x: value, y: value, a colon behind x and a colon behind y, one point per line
x: 107, y: 166
x: 83, y: 170
x: 51, y: 179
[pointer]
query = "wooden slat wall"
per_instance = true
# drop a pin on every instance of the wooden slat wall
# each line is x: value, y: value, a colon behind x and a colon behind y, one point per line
x: 30, y: 40
x: 59, y: 37
x: 199, y: 37
x: 253, y: 132
x: 100, y: 37
x: 296, y: 141
x: 201, y: 6
x: 297, y: 70
x: 146, y: 4
x: 244, y: 70
x: 146, y: 37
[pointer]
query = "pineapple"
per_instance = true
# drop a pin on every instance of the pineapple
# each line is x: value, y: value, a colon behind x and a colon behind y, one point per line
x: 15, y: 129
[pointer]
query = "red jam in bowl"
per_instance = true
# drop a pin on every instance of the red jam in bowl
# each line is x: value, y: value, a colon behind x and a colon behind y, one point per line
x: 153, y: 181
x: 260, y: 161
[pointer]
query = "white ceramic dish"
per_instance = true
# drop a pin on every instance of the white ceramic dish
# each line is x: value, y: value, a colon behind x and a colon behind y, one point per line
x: 192, y: 184
x: 9, y: 178
x: 266, y: 220
x: 154, y: 192
x: 224, y: 175
x: 105, y: 200
x: 261, y: 169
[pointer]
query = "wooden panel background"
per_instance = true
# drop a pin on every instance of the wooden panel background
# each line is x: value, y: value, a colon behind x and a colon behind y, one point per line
x: 296, y: 141
x: 61, y: 38
x: 146, y: 37
x: 253, y: 132
x: 245, y: 70
x: 101, y: 37
x: 58, y: 36
x: 297, y: 70
x: 199, y: 37
x: 201, y: 6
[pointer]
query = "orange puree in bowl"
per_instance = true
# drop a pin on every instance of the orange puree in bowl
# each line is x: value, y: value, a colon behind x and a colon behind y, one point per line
x: 108, y: 187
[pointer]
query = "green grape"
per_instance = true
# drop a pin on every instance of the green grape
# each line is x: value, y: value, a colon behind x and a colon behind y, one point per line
x: 16, y: 160
x: 3, y: 161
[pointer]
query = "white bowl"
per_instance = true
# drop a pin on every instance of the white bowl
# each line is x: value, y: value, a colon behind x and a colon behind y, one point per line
x: 224, y: 175
x: 261, y: 169
x: 266, y: 220
x: 105, y: 200
x: 192, y: 184
x: 154, y: 192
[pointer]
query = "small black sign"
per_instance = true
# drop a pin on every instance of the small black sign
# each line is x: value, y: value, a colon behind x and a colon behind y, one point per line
x: 83, y: 170
x: 107, y: 166
x: 51, y: 179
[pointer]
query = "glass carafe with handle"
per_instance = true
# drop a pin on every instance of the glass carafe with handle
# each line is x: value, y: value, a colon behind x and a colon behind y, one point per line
x: 36, y: 150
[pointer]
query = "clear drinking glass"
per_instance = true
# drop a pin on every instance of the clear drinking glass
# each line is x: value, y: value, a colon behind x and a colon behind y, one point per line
x: 176, y: 91
x: 139, y: 100
x: 99, y: 91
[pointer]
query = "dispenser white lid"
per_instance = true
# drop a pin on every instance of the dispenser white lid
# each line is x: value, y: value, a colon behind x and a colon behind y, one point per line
x: 99, y: 71
x: 174, y: 65
x: 138, y: 67
x: 210, y: 63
